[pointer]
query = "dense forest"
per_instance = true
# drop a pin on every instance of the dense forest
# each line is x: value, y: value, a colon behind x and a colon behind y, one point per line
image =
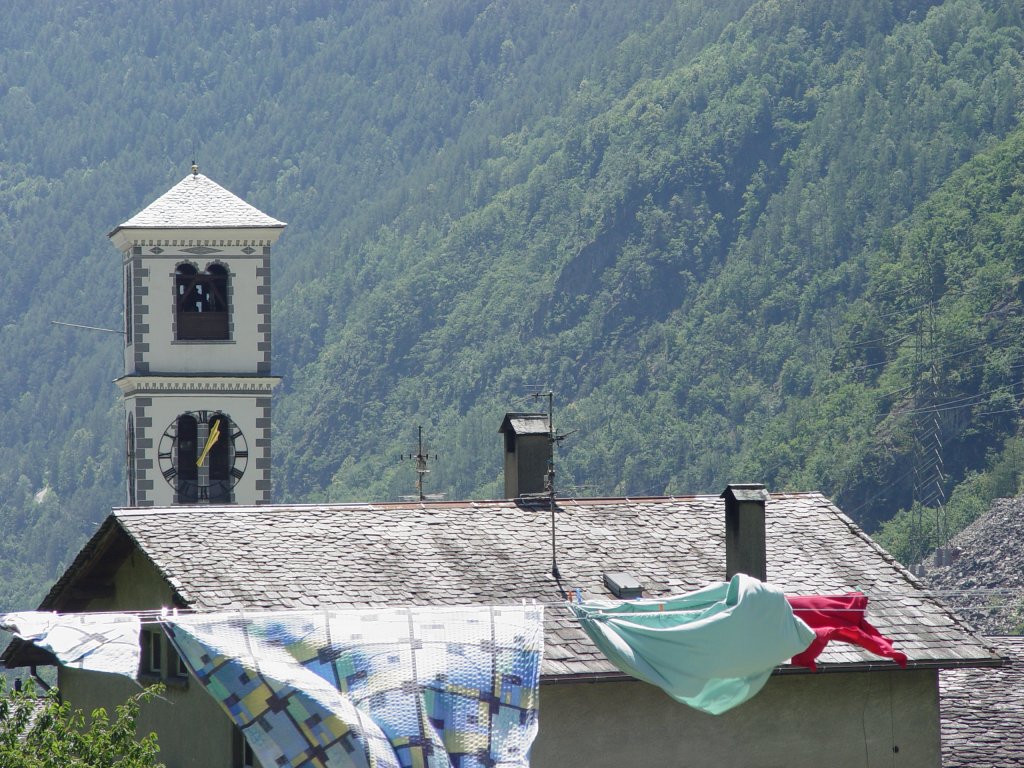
x: 759, y: 240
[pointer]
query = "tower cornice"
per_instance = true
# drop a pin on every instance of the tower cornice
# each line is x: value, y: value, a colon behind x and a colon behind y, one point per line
x: 197, y: 383
x: 165, y: 238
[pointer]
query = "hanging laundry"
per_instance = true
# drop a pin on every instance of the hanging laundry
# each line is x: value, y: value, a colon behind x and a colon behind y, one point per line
x: 840, y: 617
x: 100, y: 642
x: 388, y: 688
x: 712, y: 649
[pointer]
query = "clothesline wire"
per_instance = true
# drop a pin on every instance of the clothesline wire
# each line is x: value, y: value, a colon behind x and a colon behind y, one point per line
x: 158, y: 615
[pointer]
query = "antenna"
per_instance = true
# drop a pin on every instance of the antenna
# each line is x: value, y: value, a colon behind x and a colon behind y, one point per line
x: 421, y: 467
x: 554, y: 439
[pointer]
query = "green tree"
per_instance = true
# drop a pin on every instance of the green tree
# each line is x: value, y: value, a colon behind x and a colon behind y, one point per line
x: 46, y: 733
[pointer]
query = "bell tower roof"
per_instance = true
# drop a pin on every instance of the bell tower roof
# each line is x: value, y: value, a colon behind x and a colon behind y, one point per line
x: 197, y: 202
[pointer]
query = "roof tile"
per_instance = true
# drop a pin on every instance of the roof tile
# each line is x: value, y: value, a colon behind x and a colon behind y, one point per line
x: 983, y: 711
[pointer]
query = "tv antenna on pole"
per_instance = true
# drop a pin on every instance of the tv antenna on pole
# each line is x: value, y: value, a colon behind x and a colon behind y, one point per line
x: 421, y: 470
x: 554, y: 439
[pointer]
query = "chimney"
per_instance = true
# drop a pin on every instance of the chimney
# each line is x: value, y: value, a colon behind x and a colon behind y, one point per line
x: 744, y: 530
x: 528, y: 452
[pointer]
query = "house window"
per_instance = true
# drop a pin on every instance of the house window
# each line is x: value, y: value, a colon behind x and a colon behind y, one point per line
x: 152, y: 656
x: 201, y: 303
x: 242, y: 754
x: 177, y: 672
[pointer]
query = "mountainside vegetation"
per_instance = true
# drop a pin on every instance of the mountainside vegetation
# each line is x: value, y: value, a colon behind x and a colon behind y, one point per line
x: 752, y: 240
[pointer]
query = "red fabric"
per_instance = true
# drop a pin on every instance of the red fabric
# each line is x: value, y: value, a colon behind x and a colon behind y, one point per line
x: 840, y: 617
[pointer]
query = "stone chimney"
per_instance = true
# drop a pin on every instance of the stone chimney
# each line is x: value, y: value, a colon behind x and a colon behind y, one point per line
x: 528, y: 452
x: 744, y: 530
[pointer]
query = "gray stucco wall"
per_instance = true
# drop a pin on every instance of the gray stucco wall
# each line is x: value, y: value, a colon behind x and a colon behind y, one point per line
x: 853, y: 719
x: 829, y: 719
x: 192, y: 729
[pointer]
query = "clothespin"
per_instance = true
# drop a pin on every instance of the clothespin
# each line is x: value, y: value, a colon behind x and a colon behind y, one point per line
x: 579, y: 595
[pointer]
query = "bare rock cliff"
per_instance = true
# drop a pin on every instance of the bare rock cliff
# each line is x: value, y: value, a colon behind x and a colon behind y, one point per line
x: 984, y: 582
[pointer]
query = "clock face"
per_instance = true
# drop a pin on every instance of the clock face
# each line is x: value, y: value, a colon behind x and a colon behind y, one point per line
x: 202, y: 455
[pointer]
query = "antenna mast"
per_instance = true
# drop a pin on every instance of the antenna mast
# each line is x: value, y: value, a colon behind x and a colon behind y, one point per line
x: 549, y: 480
x: 421, y: 463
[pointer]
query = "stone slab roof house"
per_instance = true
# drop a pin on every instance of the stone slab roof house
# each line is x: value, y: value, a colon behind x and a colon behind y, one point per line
x: 858, y: 710
x: 983, y: 711
x: 202, y: 535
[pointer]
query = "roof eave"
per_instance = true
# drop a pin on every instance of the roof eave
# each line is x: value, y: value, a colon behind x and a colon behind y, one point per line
x: 565, y: 678
x: 124, y: 235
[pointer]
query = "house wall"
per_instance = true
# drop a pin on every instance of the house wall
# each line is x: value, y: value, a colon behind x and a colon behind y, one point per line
x: 837, y: 719
x: 830, y: 718
x: 193, y: 731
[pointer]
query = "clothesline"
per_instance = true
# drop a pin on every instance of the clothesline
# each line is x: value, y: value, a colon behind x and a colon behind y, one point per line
x: 160, y: 615
x: 719, y: 621
x: 157, y: 615
x: 691, y: 611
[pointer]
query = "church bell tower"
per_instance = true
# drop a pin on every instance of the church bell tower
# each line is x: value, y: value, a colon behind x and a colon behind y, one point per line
x: 197, y: 380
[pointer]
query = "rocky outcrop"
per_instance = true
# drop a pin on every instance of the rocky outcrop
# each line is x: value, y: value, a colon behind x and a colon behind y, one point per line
x: 983, y: 579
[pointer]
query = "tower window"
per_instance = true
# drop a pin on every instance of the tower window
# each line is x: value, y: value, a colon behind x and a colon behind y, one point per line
x: 201, y: 303
x: 128, y: 315
x: 130, y: 458
x: 188, y: 472
x: 220, y: 461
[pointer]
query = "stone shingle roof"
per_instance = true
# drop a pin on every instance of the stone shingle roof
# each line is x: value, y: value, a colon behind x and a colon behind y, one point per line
x: 526, y: 423
x: 199, y: 202
x: 500, y: 551
x: 983, y: 711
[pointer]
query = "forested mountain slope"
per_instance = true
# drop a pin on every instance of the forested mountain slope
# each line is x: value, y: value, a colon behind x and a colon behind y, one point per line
x: 693, y: 269
x: 760, y: 240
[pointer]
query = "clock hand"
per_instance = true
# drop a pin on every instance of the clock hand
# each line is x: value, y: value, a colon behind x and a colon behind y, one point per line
x: 210, y: 440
